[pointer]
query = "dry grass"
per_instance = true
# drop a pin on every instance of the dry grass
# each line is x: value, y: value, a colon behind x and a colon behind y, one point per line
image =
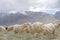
x: 25, y: 36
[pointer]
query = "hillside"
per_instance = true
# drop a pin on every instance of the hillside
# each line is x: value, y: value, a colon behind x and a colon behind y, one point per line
x: 42, y: 17
x: 57, y: 15
x: 18, y: 18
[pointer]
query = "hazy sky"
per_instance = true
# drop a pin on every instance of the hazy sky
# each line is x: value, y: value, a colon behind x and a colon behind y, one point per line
x: 49, y: 6
x: 32, y: 5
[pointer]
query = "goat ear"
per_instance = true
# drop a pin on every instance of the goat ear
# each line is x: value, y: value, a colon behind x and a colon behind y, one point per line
x: 59, y: 24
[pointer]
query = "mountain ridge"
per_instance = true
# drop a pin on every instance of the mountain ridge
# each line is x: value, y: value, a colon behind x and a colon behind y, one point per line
x: 20, y: 18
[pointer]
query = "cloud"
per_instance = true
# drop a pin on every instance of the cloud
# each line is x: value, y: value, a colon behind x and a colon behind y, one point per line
x: 13, y: 4
x: 28, y: 4
x: 15, y: 12
x: 39, y: 5
x: 46, y: 3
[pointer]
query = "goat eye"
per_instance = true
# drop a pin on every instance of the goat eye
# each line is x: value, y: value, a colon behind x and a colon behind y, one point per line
x: 6, y: 28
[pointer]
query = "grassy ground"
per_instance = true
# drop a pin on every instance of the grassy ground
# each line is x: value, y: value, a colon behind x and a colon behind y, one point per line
x: 25, y: 36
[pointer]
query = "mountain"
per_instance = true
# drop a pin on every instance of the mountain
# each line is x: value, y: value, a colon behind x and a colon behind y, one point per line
x: 14, y: 19
x: 57, y: 15
x: 19, y: 18
x: 42, y: 17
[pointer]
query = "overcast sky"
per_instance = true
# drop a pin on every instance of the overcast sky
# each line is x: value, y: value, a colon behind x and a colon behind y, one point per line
x: 32, y: 5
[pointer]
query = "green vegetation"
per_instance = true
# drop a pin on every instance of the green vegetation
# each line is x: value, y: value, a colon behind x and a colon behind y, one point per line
x: 25, y: 36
